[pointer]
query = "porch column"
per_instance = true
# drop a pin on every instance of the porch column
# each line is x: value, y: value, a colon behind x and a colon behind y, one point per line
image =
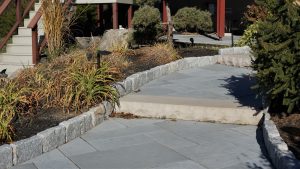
x: 165, y: 15
x: 129, y: 16
x: 99, y: 15
x: 220, y: 18
x: 115, y: 16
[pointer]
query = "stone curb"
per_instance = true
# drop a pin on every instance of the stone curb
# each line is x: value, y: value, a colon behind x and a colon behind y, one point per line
x: 49, y: 139
x: 280, y: 155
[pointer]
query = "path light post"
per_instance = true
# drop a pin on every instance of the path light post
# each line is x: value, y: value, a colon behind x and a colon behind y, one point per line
x: 98, y: 57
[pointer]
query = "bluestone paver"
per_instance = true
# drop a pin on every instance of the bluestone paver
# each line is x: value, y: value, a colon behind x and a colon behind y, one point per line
x: 76, y: 147
x: 160, y: 144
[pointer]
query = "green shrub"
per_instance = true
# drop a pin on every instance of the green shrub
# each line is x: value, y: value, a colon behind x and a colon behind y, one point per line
x: 249, y: 36
x: 147, y: 24
x: 191, y: 19
x: 147, y: 2
x: 277, y: 55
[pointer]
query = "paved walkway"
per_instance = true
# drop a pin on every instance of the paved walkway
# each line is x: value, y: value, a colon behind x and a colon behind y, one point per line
x: 165, y: 144
x: 210, y: 39
x: 214, y: 92
x: 216, y: 83
x: 159, y: 144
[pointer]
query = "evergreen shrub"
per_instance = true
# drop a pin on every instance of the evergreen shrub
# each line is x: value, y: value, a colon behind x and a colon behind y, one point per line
x: 147, y: 24
x: 191, y: 19
x: 277, y: 55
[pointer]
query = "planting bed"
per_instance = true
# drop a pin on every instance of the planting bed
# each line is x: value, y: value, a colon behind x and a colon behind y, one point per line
x: 141, y: 60
x: 289, y: 129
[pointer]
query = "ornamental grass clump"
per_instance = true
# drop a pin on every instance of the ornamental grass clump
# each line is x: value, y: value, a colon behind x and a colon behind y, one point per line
x: 56, y: 25
x: 67, y: 83
x: 12, y: 101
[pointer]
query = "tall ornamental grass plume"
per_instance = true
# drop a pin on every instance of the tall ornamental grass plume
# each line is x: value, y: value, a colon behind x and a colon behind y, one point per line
x: 56, y: 25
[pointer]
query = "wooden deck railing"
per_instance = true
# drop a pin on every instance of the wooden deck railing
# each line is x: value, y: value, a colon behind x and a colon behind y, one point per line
x: 36, y: 46
x: 19, y: 17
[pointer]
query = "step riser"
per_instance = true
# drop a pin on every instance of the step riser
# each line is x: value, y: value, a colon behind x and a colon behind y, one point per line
x: 20, y: 49
x: 27, y: 31
x: 27, y: 21
x: 12, y: 68
x: 16, y: 59
x: 22, y: 40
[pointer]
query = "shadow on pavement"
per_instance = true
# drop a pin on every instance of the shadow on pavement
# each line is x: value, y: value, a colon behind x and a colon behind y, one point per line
x: 264, y: 157
x: 240, y: 88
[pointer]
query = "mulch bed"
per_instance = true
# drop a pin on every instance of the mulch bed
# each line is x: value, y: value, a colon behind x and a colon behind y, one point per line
x: 124, y: 115
x: 31, y: 125
x: 289, y: 129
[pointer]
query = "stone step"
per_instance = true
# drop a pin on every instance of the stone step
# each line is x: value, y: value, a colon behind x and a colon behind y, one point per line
x: 19, y: 49
x: 12, y: 68
x: 22, y: 40
x: 182, y: 108
x: 15, y: 58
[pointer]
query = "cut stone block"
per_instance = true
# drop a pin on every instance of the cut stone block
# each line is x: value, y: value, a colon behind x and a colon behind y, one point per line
x: 6, y: 159
x: 108, y: 108
x: 97, y: 114
x: 27, y: 149
x: 74, y: 127
x: 53, y: 137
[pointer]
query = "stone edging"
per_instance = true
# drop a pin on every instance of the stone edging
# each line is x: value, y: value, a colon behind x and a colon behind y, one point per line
x: 47, y: 140
x: 280, y: 155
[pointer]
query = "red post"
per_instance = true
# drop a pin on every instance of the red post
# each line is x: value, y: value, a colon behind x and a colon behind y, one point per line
x: 221, y: 18
x: 115, y: 16
x: 35, y: 48
x: 165, y: 15
x: 18, y: 11
x: 129, y: 16
x: 99, y: 15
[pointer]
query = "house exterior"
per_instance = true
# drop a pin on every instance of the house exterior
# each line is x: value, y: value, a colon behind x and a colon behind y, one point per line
x: 227, y: 14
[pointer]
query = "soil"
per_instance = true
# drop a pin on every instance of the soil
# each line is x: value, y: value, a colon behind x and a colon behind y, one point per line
x: 124, y: 115
x: 29, y: 126
x: 289, y: 129
x: 197, y: 52
x: 143, y: 60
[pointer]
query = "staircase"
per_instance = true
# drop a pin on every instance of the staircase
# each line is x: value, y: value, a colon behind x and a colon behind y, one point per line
x: 19, y: 51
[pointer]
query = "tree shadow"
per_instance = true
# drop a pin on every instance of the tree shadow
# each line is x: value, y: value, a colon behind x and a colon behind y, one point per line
x: 264, y: 160
x: 241, y: 88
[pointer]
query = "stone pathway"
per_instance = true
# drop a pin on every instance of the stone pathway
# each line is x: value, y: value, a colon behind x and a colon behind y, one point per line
x: 214, y: 92
x: 200, y: 39
x: 167, y: 144
x: 159, y: 144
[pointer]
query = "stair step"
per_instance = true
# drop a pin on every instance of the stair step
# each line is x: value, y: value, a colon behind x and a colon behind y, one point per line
x: 19, y: 49
x: 37, y: 6
x: 27, y: 21
x: 32, y: 14
x: 18, y: 39
x: 27, y: 31
x: 15, y: 58
x: 13, y: 67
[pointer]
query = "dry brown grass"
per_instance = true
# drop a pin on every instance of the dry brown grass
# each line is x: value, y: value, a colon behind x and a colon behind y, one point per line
x: 56, y: 25
x: 163, y: 53
x: 70, y: 82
